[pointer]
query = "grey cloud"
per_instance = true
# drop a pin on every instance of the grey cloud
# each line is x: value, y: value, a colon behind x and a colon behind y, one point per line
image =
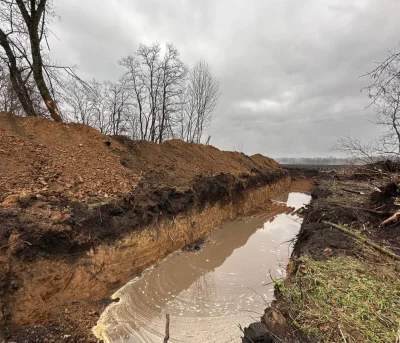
x: 285, y: 66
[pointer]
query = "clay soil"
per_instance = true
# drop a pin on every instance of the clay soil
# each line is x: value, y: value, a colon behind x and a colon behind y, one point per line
x: 358, y: 199
x: 69, y: 194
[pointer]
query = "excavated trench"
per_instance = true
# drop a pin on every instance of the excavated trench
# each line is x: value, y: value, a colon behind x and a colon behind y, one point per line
x: 82, y: 214
x: 209, y: 291
x: 59, y: 293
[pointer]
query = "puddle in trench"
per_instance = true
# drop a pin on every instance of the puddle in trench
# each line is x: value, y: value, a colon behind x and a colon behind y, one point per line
x: 208, y: 293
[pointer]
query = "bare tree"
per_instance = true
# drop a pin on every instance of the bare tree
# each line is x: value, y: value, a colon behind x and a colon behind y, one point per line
x: 77, y: 100
x: 14, y: 55
x: 99, y: 107
x: 202, y: 98
x: 358, y: 151
x: 137, y: 88
x: 8, y: 99
x: 34, y: 17
x: 384, y: 93
x: 173, y: 85
x: 154, y: 100
x: 119, y: 106
x: 144, y: 81
x: 157, y: 85
x: 151, y: 76
x: 22, y: 34
x: 105, y: 105
x: 88, y: 104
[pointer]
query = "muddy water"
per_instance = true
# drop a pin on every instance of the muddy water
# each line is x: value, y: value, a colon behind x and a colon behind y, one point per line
x: 210, y: 292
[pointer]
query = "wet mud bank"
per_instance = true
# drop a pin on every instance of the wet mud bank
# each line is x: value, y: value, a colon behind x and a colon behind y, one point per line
x: 337, y: 287
x: 56, y: 282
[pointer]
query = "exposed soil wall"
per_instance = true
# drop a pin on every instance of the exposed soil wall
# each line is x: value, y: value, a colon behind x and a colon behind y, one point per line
x: 83, y: 213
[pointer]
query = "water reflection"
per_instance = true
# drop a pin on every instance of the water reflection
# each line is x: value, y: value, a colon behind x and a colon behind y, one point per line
x: 208, y: 293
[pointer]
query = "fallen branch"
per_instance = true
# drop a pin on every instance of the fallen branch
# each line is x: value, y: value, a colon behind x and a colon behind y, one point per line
x: 394, y: 218
x: 166, y: 338
x: 380, y: 172
x: 363, y: 240
x: 351, y: 191
x: 375, y: 187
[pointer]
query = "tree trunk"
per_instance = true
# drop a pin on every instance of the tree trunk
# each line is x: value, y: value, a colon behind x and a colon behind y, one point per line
x: 32, y: 21
x: 18, y: 84
x: 162, y: 122
x: 37, y: 66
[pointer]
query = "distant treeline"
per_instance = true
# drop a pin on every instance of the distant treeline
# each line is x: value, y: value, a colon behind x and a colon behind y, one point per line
x: 312, y: 160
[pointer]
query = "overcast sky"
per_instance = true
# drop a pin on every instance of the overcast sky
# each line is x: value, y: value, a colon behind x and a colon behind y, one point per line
x: 289, y: 70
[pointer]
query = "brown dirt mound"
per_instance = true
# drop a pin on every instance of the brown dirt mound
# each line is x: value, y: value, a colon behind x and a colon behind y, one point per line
x: 81, y: 163
x: 265, y: 161
x: 41, y: 155
x: 175, y: 162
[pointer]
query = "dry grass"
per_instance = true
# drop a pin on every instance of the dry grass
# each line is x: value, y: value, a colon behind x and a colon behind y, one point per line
x: 345, y: 300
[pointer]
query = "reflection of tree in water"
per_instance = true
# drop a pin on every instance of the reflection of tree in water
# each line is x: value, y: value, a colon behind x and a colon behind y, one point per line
x: 203, y: 289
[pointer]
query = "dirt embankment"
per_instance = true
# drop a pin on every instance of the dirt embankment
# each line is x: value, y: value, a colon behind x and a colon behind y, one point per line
x: 82, y: 213
x: 339, y: 287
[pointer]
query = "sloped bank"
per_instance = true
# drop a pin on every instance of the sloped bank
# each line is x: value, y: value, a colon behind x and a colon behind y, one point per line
x: 93, y: 211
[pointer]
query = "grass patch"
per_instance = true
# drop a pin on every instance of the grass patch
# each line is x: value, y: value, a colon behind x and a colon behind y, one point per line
x: 345, y: 300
